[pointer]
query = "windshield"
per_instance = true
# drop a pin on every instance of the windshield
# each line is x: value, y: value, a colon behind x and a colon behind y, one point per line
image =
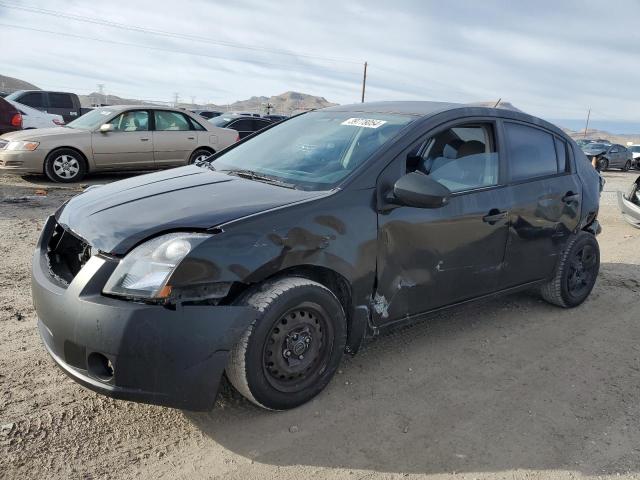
x: 93, y: 119
x: 316, y: 150
x: 596, y: 146
x: 220, y: 121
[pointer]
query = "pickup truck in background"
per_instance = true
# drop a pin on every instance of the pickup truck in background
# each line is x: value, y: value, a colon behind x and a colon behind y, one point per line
x: 59, y: 103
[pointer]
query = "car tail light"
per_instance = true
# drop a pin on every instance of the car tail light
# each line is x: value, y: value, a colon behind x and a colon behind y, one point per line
x: 16, y: 120
x: 58, y: 122
x: 237, y: 137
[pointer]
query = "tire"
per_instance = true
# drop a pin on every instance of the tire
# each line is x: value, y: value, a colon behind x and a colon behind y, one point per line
x: 65, y: 165
x: 199, y: 155
x: 603, y: 164
x: 627, y: 166
x: 576, y: 272
x: 273, y: 364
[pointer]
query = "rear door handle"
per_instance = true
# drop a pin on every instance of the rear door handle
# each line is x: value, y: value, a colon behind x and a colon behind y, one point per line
x: 570, y: 197
x: 144, y: 139
x: 191, y: 138
x: 495, y: 216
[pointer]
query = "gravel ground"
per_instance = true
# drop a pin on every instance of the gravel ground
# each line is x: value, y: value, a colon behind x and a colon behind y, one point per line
x: 509, y: 388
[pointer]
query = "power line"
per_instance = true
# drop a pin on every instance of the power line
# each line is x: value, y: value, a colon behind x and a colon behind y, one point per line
x: 137, y: 45
x: 184, y: 36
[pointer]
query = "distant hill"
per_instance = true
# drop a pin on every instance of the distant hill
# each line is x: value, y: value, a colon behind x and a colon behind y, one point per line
x: 594, y: 134
x: 10, y: 84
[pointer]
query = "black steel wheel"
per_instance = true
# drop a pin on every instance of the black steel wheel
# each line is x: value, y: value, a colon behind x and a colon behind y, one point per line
x: 293, y: 348
x: 576, y: 273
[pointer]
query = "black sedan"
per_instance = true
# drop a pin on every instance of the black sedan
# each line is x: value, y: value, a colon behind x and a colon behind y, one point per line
x: 281, y: 253
x: 245, y: 125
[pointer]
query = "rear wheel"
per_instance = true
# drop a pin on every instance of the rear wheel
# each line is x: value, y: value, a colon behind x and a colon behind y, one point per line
x: 65, y: 165
x: 576, y: 272
x: 293, y: 348
x: 199, y: 155
x: 627, y: 166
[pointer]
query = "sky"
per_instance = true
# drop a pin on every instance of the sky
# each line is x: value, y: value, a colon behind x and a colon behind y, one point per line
x: 553, y: 59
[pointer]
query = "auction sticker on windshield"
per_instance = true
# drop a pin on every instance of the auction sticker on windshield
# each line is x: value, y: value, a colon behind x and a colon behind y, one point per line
x: 364, y: 122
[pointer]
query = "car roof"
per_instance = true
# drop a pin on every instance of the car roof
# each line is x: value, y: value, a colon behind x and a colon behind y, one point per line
x: 428, y: 109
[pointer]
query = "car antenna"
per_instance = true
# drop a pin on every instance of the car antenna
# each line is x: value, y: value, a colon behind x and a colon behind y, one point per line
x: 497, y: 103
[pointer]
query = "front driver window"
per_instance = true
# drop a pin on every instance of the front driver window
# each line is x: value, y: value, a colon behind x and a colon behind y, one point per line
x: 136, y: 121
x: 460, y: 158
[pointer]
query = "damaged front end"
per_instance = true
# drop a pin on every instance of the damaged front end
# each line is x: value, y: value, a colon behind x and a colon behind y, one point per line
x: 629, y: 204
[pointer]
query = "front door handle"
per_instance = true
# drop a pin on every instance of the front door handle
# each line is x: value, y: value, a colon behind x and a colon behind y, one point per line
x: 144, y: 139
x: 495, y: 216
x: 191, y: 138
x: 570, y: 197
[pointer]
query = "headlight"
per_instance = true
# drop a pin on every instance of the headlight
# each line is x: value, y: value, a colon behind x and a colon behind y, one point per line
x: 144, y: 272
x: 16, y: 145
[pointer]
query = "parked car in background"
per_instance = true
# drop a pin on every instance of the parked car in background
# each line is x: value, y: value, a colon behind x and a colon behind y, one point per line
x: 59, y: 103
x: 275, y: 257
x: 113, y: 138
x: 609, y: 156
x: 32, y: 118
x: 629, y: 204
x: 245, y: 125
x: 207, y: 113
x: 635, y: 151
x: 10, y: 117
x: 275, y: 118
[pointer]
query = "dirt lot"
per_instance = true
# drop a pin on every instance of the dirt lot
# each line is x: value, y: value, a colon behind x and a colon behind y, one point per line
x: 511, y: 388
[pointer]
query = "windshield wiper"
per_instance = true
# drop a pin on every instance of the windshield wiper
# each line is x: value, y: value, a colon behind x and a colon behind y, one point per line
x: 259, y: 177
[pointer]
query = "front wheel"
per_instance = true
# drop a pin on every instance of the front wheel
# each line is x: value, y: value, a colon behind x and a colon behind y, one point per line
x: 603, y: 164
x: 293, y: 348
x: 65, y: 165
x: 627, y: 166
x: 576, y: 272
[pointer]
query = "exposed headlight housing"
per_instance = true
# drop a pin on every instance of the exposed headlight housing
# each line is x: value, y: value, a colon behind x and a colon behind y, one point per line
x: 143, y: 272
x: 22, y: 146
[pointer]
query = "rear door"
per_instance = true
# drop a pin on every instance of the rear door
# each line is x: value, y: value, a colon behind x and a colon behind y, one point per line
x: 62, y: 104
x: 128, y: 146
x: 545, y: 202
x: 174, y: 138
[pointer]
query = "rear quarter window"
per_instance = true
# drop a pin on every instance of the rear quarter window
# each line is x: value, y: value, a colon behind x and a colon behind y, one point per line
x: 532, y: 152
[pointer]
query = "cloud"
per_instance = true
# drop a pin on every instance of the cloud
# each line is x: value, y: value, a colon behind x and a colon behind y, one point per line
x: 553, y: 59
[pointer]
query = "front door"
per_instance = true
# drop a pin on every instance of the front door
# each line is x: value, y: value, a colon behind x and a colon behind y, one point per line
x: 429, y: 258
x: 544, y: 202
x: 129, y: 145
x: 174, y: 138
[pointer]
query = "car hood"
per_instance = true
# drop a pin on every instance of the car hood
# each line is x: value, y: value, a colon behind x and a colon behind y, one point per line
x: 116, y: 217
x: 40, y: 133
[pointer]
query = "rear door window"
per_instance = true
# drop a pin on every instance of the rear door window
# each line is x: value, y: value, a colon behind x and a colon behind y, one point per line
x: 260, y: 124
x: 60, y: 100
x: 33, y: 99
x: 243, y: 125
x: 171, y: 121
x: 532, y: 152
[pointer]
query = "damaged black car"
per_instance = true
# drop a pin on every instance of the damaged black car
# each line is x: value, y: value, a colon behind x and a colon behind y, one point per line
x: 270, y: 260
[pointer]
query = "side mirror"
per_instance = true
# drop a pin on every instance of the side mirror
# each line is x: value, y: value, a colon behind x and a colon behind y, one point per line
x: 419, y: 190
x: 106, y: 127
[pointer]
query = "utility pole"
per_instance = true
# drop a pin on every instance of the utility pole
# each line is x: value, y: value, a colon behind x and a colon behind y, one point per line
x: 587, y: 125
x: 364, y: 80
x: 193, y: 100
x: 176, y: 96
